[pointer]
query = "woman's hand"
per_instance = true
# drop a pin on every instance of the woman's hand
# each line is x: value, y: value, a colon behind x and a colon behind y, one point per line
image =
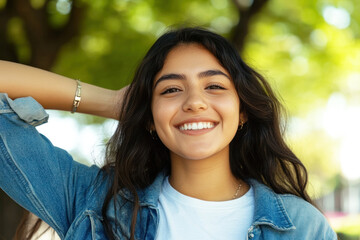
x: 54, y: 91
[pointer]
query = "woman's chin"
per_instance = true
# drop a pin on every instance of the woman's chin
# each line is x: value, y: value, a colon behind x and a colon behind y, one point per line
x: 198, y: 154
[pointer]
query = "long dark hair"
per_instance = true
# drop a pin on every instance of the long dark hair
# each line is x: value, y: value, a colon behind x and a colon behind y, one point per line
x: 258, y: 151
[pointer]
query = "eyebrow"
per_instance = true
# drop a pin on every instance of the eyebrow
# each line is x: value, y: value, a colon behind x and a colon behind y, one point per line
x: 174, y: 76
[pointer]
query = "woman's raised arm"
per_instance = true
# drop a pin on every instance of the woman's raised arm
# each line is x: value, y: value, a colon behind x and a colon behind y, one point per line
x: 54, y: 91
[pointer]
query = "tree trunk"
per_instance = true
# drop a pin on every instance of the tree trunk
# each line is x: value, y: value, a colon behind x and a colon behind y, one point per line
x: 45, y: 40
x: 246, y: 14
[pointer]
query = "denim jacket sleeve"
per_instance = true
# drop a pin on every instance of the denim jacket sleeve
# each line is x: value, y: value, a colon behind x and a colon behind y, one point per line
x: 42, y: 178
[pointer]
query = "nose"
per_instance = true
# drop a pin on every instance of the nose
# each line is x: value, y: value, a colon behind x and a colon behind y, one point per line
x: 195, y: 102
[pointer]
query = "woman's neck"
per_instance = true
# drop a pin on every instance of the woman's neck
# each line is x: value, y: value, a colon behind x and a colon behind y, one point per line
x: 207, y: 179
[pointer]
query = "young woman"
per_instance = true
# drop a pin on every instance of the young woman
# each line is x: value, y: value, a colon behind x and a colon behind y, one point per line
x: 198, y: 152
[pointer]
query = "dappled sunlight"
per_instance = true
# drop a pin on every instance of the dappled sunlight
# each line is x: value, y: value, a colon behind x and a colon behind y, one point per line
x: 318, y: 38
x: 95, y: 45
x: 222, y: 24
x: 337, y: 17
x: 63, y: 6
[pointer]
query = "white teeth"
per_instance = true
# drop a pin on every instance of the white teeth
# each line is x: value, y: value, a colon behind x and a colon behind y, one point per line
x: 196, y: 126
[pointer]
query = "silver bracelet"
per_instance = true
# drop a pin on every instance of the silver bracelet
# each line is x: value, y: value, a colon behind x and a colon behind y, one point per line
x: 77, y: 97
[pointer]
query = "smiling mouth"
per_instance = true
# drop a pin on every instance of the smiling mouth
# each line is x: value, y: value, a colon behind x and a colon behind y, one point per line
x: 196, y: 126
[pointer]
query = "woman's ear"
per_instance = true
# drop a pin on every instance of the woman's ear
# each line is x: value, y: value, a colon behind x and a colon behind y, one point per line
x: 242, y: 118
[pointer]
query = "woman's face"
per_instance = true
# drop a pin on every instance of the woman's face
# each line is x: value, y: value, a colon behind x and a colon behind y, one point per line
x: 195, y: 105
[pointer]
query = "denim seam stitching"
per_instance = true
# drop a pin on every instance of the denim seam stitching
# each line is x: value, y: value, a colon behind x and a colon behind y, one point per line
x: 6, y: 110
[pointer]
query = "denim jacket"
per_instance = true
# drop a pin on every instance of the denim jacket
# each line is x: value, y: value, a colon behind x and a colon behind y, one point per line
x: 68, y: 195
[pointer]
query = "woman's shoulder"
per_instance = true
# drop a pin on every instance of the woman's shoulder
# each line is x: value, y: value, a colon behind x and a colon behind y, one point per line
x: 306, y: 217
x: 296, y: 206
x: 291, y: 203
x: 289, y: 213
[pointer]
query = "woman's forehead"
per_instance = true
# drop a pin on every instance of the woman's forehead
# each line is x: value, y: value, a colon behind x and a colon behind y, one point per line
x: 189, y: 59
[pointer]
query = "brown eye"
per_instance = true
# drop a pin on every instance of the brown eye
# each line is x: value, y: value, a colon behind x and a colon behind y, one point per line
x: 215, y: 86
x: 170, y: 90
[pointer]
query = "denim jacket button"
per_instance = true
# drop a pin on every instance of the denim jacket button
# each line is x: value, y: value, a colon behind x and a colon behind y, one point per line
x: 251, y: 235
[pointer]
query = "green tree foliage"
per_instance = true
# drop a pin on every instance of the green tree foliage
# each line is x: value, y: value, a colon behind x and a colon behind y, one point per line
x: 306, y: 57
x: 310, y: 50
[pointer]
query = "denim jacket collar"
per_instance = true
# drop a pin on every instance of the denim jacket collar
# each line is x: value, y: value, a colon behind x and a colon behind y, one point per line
x: 150, y: 195
x: 269, y: 208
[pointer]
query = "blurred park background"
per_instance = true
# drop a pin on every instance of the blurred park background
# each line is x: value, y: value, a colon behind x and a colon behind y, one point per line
x: 308, y: 49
